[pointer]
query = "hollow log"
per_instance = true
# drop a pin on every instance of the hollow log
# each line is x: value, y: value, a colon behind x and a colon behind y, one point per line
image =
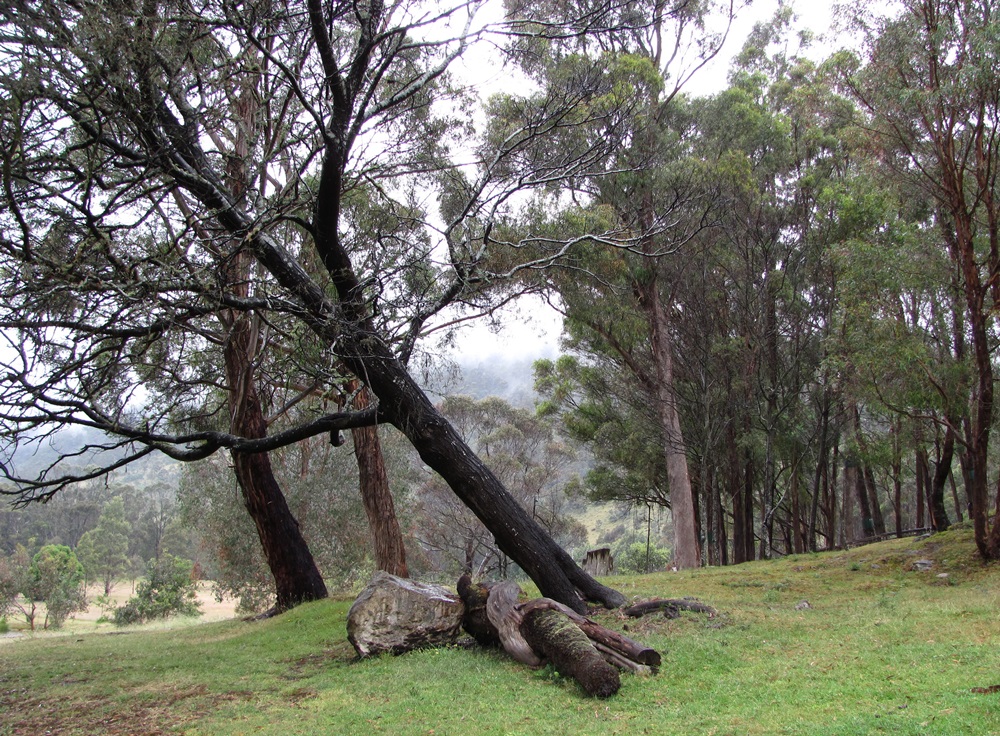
x: 559, y: 640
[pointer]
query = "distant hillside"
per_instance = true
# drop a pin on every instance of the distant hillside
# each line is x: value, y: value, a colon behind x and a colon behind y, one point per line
x: 511, y: 380
x: 31, y: 459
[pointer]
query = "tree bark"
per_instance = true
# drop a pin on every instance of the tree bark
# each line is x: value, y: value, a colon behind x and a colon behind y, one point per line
x: 387, y: 539
x: 557, y: 639
x: 687, y: 551
x: 939, y: 514
x: 296, y: 577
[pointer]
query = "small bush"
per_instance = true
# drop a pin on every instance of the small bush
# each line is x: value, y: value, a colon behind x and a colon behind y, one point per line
x: 4, y: 627
x: 636, y: 558
x: 167, y: 590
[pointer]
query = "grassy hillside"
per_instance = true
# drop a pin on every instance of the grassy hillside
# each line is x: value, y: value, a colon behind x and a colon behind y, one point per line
x: 882, y: 648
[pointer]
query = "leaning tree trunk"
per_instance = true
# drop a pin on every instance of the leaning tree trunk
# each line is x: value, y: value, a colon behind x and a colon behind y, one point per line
x: 517, y: 534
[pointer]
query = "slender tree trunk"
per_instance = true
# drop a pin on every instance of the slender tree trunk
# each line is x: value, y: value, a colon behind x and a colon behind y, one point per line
x: 959, y: 515
x: 939, y: 515
x: 387, y: 539
x: 821, y: 461
x: 831, y: 494
x: 878, y: 520
x: 687, y: 552
x: 923, y: 481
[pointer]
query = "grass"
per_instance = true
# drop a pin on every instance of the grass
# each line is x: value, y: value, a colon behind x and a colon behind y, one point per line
x: 881, y: 649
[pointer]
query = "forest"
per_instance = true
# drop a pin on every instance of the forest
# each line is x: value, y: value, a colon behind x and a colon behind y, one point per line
x: 236, y: 236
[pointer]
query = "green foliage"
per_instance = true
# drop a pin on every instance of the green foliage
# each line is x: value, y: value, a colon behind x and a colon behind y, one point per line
x: 168, y: 589
x: 56, y: 578
x: 103, y: 550
x: 636, y: 557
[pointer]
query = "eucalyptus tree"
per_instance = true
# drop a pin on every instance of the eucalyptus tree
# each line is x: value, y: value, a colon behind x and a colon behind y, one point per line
x: 929, y: 78
x: 121, y: 133
x: 649, y: 51
x: 103, y: 551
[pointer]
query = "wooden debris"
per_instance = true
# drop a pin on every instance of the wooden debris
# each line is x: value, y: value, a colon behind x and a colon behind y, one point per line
x: 553, y: 635
x: 543, y: 630
x: 670, y: 608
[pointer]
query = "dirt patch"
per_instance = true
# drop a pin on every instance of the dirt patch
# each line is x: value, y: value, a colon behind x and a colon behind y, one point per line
x: 27, y: 716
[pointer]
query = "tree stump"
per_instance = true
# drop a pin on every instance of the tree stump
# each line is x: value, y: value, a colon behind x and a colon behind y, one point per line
x: 599, y: 562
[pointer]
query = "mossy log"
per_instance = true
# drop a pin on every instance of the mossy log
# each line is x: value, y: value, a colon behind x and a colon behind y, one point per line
x: 558, y: 634
x: 623, y: 652
x: 559, y: 640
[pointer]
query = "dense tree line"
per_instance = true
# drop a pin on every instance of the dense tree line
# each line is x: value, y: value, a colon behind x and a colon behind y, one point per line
x: 832, y: 354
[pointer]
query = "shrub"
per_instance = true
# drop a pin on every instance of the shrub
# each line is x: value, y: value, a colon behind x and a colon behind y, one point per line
x: 56, y: 577
x: 634, y: 559
x: 167, y: 590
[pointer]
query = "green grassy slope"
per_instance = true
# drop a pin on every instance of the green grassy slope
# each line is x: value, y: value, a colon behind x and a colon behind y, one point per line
x: 881, y: 649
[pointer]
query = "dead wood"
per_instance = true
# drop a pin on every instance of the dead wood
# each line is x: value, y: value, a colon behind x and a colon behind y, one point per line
x: 671, y: 608
x: 543, y: 629
x: 475, y: 620
x: 561, y: 642
x: 504, y: 613
x: 628, y: 648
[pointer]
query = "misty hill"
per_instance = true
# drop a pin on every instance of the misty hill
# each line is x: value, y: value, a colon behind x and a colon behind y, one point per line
x: 509, y: 379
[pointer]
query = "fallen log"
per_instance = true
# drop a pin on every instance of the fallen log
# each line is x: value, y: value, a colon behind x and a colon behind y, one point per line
x: 670, y: 608
x: 616, y: 642
x: 545, y: 630
x: 553, y: 635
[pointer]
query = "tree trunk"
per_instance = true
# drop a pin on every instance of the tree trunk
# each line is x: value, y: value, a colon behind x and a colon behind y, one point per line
x: 387, y: 539
x: 296, y: 577
x: 923, y: 481
x: 939, y: 515
x: 687, y: 552
x: 878, y: 521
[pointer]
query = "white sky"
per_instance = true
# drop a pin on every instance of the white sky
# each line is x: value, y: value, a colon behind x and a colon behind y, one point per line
x: 532, y: 328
